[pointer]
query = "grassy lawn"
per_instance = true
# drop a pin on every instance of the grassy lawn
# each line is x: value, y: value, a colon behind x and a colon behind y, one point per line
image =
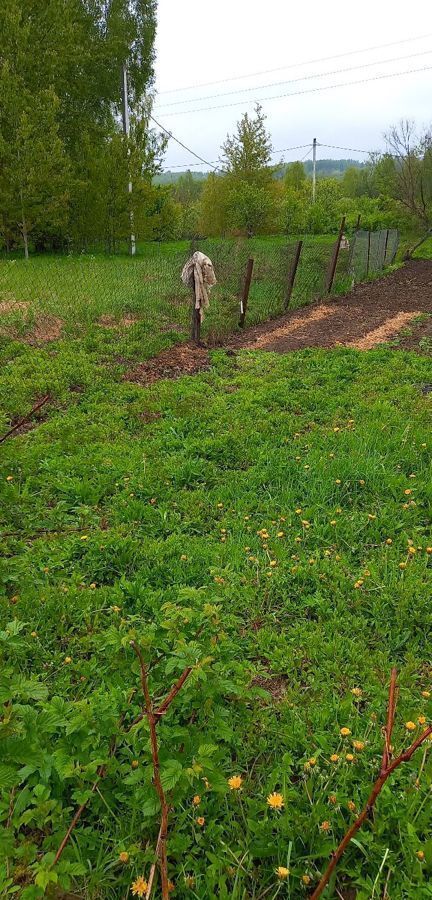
x: 265, y: 523
x: 116, y: 306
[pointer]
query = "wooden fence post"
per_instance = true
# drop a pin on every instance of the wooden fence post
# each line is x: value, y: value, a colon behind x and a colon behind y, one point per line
x: 293, y: 272
x: 357, y: 228
x: 245, y: 293
x: 368, y: 254
x: 334, y: 258
x: 196, y: 318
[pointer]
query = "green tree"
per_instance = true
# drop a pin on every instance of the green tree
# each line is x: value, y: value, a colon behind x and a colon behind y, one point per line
x: 247, y: 154
x: 295, y: 176
x: 250, y: 207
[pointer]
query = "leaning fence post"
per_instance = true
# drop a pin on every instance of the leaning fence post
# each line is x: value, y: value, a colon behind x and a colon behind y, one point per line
x: 357, y: 228
x: 293, y: 272
x: 385, y: 246
x: 245, y: 293
x: 334, y: 258
x: 368, y: 254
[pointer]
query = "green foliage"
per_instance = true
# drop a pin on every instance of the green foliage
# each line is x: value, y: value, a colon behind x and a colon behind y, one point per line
x: 155, y: 529
x: 247, y: 154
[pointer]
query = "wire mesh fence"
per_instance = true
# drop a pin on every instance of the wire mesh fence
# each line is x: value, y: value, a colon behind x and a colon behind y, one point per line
x: 47, y: 298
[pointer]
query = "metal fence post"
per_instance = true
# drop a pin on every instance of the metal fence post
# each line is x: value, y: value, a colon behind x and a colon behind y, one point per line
x: 385, y: 247
x: 334, y: 258
x: 245, y: 293
x: 368, y: 254
x: 293, y: 272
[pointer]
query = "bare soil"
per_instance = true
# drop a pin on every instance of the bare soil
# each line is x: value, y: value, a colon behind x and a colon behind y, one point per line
x: 183, y: 359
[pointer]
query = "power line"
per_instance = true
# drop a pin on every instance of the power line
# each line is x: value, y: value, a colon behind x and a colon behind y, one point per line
x: 348, y: 149
x: 325, y: 87
x: 260, y: 87
x: 297, y: 65
x: 215, y: 161
x: 172, y: 137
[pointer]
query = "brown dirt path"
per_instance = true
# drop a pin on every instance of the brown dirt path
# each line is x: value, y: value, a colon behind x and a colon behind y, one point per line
x: 369, y: 315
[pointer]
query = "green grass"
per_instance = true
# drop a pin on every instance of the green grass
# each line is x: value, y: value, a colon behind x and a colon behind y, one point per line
x: 119, y: 525
x: 132, y: 308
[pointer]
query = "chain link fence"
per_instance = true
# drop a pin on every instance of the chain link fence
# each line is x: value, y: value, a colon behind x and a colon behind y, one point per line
x: 47, y: 298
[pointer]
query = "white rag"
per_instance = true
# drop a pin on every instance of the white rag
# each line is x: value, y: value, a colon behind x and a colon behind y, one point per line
x: 199, y: 273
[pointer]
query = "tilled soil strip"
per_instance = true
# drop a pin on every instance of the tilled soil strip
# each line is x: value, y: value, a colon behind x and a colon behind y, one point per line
x: 387, y: 330
x: 315, y: 315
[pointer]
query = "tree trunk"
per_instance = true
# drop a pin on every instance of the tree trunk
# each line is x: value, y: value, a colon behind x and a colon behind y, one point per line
x: 25, y: 238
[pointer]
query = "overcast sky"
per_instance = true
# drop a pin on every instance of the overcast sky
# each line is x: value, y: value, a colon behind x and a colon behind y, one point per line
x: 198, y: 42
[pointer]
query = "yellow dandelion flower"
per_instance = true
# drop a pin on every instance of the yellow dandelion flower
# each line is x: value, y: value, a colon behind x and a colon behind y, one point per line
x: 334, y: 758
x: 429, y: 550
x: 333, y: 522
x: 67, y: 660
x: 362, y: 482
x: 9, y: 477
x: 332, y: 799
x: 338, y: 481
x: 84, y: 537
x: 200, y: 821
x: 220, y: 505
x: 351, y: 806
x: 421, y: 720
x: 325, y: 826
x: 183, y: 557
x: 345, y: 732
x: 420, y: 855
x: 412, y: 550
x: 349, y: 757
x: 189, y: 881
x: 402, y: 565
x: 282, y: 872
x: 358, y: 745
x: 124, y: 856
x: 356, y: 691
x: 408, y: 492
x: 371, y: 517
x: 273, y: 563
x: 139, y: 887
x: 275, y: 801
x: 425, y: 694
x: 299, y: 511
x: 93, y: 585
x: 135, y: 763
x: 196, y: 800
x: 171, y: 886
x: 389, y: 541
x: 281, y: 534
x: 305, y: 879
x: 235, y: 782
x: 116, y: 609
x: 33, y: 634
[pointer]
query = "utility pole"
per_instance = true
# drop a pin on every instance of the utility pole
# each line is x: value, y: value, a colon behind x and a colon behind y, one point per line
x: 126, y: 130
x: 314, y: 149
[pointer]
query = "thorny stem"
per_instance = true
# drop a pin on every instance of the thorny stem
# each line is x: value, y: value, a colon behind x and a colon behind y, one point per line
x: 152, y: 721
x: 162, y: 709
x: 385, y: 772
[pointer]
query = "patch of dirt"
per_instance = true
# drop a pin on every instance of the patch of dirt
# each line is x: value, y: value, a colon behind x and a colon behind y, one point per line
x: 106, y: 321
x: 276, y: 685
x: 183, y: 359
x: 147, y: 416
x: 348, y: 319
x: 383, y: 332
x: 46, y: 328
x: 419, y: 339
x: 10, y: 306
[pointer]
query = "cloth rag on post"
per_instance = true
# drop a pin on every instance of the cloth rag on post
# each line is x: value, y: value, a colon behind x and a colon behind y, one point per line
x: 199, y: 273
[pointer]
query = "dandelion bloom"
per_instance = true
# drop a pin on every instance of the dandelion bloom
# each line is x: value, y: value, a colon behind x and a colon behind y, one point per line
x: 351, y: 806
x: 68, y: 659
x: 410, y: 726
x: 171, y: 886
x: 189, y: 881
x: 349, y: 757
x: 356, y: 691
x: 332, y: 799
x: 345, y: 732
x: 325, y: 826
x: 282, y: 872
x: 429, y: 550
x: 139, y: 887
x: 425, y: 694
x: 412, y: 550
x: 196, y: 800
x: 124, y: 856
x: 334, y: 757
x: 273, y: 563
x: 305, y: 879
x: 371, y: 517
x: 200, y: 821
x: 402, y: 565
x: 407, y: 492
x: 333, y: 522
x: 9, y: 477
x: 183, y: 557
x: 235, y: 782
x: 312, y: 761
x: 280, y: 534
x: 134, y: 763
x: 358, y: 745
x: 421, y: 720
x: 33, y: 634
x: 276, y: 801
x: 389, y: 541
x: 420, y: 855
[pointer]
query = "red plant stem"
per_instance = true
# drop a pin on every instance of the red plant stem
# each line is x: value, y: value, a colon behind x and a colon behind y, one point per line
x: 152, y: 720
x: 25, y: 418
x: 162, y: 709
x: 391, y: 709
x: 376, y: 790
